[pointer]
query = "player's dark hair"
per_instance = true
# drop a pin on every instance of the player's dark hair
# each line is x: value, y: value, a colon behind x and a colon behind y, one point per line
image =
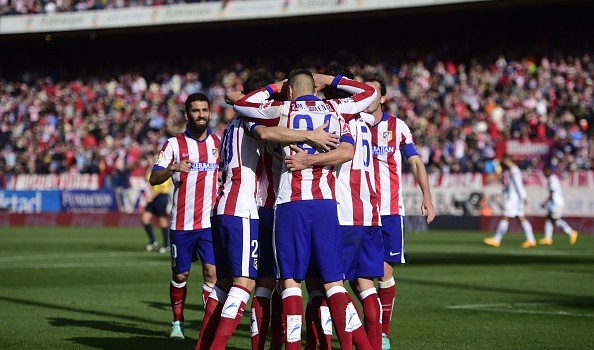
x: 257, y: 80
x: 335, y: 68
x: 378, y: 78
x: 198, y: 96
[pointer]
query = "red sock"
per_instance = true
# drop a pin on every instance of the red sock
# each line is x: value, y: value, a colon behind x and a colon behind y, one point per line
x: 212, y: 316
x: 372, y: 312
x: 276, y: 320
x: 260, y: 317
x: 324, y: 326
x: 312, y: 320
x: 293, y: 316
x: 337, y: 303
x: 230, y: 316
x: 177, y: 295
x: 206, y: 290
x: 358, y: 331
x: 387, y: 295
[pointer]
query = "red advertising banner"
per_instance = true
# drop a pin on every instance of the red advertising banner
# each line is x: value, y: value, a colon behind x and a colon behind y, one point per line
x: 522, y: 148
x: 70, y: 219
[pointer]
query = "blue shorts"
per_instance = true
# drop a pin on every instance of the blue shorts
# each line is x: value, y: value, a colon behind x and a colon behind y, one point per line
x: 158, y: 206
x: 235, y: 242
x: 363, y: 252
x: 305, y: 230
x: 393, y: 232
x: 185, y: 245
x: 266, y: 254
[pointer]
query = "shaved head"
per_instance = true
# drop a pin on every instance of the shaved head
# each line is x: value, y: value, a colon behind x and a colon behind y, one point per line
x: 301, y: 82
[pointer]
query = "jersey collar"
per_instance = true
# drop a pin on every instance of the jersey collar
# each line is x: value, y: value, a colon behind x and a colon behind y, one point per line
x: 307, y: 98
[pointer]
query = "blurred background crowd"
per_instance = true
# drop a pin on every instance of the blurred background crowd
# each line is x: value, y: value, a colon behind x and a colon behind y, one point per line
x: 109, y: 117
x: 29, y: 7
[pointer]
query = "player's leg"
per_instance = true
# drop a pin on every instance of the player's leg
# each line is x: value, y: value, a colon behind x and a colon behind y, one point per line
x: 163, y: 221
x: 209, y: 247
x: 500, y: 231
x: 183, y: 245
x: 291, y: 241
x: 240, y: 242
x: 393, y: 235
x: 318, y: 323
x: 326, y: 245
x: 276, y: 318
x: 548, y: 229
x: 145, y: 220
x: 527, y: 227
x: 556, y: 214
x: 265, y: 282
x: 369, y: 266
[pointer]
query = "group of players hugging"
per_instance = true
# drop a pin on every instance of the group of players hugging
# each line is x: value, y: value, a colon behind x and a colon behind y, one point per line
x: 298, y: 188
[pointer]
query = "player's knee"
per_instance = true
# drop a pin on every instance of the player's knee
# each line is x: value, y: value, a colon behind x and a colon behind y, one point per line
x: 180, y: 277
x: 210, y: 273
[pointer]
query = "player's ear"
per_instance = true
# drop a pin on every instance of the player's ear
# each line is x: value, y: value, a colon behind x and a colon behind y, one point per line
x: 382, y: 99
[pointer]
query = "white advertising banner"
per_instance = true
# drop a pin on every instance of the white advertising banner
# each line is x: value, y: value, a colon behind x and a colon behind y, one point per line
x: 196, y: 13
x: 467, y: 194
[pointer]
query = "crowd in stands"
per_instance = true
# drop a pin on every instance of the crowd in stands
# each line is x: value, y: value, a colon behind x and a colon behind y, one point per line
x: 113, y: 126
x: 31, y: 7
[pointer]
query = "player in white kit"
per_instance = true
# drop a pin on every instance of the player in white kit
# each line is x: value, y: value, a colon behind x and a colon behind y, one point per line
x: 554, y: 206
x: 514, y: 201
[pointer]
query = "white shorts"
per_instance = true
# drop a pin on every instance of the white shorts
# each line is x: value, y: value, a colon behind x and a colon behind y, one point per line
x: 513, y: 208
x: 554, y: 211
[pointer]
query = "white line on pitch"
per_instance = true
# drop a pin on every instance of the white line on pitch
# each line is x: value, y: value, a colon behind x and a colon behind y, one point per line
x: 68, y: 256
x: 505, y: 307
x: 85, y: 265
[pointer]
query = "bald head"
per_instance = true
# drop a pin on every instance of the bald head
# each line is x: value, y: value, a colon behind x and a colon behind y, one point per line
x: 301, y: 83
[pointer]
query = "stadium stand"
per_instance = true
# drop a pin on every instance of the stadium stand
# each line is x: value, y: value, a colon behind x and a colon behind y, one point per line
x: 106, y: 113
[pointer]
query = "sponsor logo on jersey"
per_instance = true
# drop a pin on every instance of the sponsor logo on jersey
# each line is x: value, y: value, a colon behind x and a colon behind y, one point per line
x: 185, y: 155
x: 379, y: 150
x: 204, y: 166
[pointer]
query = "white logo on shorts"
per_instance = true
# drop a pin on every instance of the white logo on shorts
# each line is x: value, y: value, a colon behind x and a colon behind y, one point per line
x: 394, y: 254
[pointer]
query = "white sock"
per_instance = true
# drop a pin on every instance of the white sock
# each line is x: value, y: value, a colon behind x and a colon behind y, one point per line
x: 548, y: 228
x: 501, y: 230
x: 528, y: 230
x: 562, y: 224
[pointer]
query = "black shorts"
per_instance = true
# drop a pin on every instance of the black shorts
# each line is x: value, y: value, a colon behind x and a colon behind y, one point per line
x: 158, y: 206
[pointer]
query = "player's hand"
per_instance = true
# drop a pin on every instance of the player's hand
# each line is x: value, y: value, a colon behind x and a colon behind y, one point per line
x: 232, y: 96
x: 319, y: 138
x: 184, y: 166
x: 322, y: 80
x: 298, y: 160
x: 427, y: 209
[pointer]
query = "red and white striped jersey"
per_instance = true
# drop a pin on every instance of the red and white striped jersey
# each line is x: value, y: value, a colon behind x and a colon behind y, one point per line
x: 240, y: 155
x: 194, y: 192
x: 358, y: 203
x: 307, y: 113
x: 390, y: 138
x: 269, y: 172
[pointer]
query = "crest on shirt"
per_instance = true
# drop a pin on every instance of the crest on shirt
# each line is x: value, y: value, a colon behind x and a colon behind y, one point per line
x: 387, y: 135
x: 160, y: 157
x: 214, y: 152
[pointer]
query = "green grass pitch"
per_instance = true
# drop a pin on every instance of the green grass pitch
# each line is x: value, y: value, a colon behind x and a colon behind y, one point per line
x: 84, y: 288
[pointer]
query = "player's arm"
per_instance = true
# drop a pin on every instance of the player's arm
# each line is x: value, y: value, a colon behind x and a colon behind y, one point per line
x: 317, y: 138
x: 255, y: 105
x: 301, y: 160
x: 164, y: 166
x: 363, y: 94
x: 158, y: 176
x: 418, y: 169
